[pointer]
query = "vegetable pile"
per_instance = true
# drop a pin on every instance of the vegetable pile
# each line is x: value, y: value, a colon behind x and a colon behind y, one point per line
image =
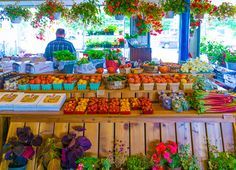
x: 196, y: 66
x: 64, y: 55
x: 213, y: 102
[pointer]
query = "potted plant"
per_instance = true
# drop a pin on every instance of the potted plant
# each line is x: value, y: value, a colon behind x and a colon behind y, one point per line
x: 18, y: 150
x: 221, y: 160
x: 97, y: 57
x: 201, y: 7
x: 121, y: 42
x: 49, y: 154
x: 141, y: 25
x: 121, y: 8
x: 110, y: 29
x: 172, y: 7
x: 113, y: 60
x: 224, y: 11
x: 73, y: 148
x: 166, y: 155
x: 188, y: 161
x: 138, y: 162
x: 230, y: 60
x: 17, y: 13
x: 86, y: 12
x: 66, y: 61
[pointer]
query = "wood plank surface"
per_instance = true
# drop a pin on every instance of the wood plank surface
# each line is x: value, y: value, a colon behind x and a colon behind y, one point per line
x: 137, y: 138
x: 200, y: 143
x: 141, y: 94
x: 184, y: 134
x: 73, y: 125
x: 46, y: 129
x: 1, y: 135
x: 106, y: 139
x: 115, y: 94
x: 122, y: 134
x: 89, y: 94
x: 128, y: 95
x: 153, y: 135
x: 168, y: 132
x: 92, y: 132
x: 228, y: 137
x: 214, y: 135
x: 60, y: 129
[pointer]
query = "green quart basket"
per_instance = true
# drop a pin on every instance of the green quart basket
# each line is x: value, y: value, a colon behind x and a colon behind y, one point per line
x: 94, y: 86
x: 57, y: 86
x: 82, y: 86
x: 69, y: 86
x: 46, y: 86
x: 23, y: 86
x: 35, y: 86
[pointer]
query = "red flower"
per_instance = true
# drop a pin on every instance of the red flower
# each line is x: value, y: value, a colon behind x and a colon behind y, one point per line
x: 160, y: 148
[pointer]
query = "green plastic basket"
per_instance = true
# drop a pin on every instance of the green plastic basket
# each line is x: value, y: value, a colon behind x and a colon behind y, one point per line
x: 35, y: 86
x: 46, y: 86
x: 69, y: 86
x: 57, y: 86
x: 94, y: 86
x: 23, y: 86
x: 82, y: 86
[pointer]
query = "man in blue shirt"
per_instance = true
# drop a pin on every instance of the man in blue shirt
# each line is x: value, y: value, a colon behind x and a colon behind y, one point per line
x: 58, y: 44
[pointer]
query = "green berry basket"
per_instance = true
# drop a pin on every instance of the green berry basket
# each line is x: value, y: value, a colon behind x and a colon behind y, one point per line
x: 46, y: 86
x: 69, y: 86
x: 35, y: 86
x: 82, y: 86
x: 23, y: 86
x: 57, y: 86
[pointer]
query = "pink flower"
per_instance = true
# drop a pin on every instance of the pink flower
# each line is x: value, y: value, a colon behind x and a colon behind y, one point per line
x: 166, y: 155
x: 160, y: 148
x: 173, y: 150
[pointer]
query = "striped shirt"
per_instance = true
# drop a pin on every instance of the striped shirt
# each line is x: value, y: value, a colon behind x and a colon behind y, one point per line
x: 57, y: 45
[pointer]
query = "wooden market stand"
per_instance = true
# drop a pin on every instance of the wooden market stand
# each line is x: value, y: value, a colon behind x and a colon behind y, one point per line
x: 137, y: 131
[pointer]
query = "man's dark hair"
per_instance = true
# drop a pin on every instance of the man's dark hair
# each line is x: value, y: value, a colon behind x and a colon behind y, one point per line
x: 60, y: 31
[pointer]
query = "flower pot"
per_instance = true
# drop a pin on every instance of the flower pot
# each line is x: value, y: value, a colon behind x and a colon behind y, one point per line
x: 16, y: 20
x: 169, y: 14
x: 57, y: 16
x: 199, y: 16
x: 19, y: 168
x: 231, y: 66
x: 119, y: 17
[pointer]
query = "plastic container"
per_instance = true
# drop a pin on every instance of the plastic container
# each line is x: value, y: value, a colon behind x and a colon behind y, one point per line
x: 173, y: 86
x: 69, y: 86
x: 134, y: 86
x: 94, y: 86
x: 148, y: 86
x: 23, y: 86
x: 46, y: 86
x: 35, y: 86
x: 186, y: 86
x: 82, y: 86
x: 161, y: 86
x: 57, y: 86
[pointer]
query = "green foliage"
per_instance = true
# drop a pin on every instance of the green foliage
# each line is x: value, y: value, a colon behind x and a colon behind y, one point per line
x: 127, y: 36
x: 176, y: 163
x: 138, y: 162
x: 188, y: 161
x: 178, y: 6
x: 14, y: 11
x: 95, y: 54
x: 113, y: 55
x: 221, y: 160
x: 48, y: 8
x: 225, y: 10
x: 111, y: 28
x: 83, y: 61
x: 230, y: 57
x: 214, y: 51
x: 89, y: 163
x: 64, y: 55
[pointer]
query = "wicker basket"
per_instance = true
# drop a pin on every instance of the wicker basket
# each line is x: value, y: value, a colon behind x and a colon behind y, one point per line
x: 150, y: 69
x: 186, y: 86
x: 115, y: 85
x: 136, y: 70
x: 173, y: 86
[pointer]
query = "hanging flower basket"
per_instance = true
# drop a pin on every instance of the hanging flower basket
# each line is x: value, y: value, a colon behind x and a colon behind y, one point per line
x: 57, y: 15
x: 169, y: 14
x: 17, y: 13
x: 199, y: 16
x: 119, y: 17
x: 16, y: 20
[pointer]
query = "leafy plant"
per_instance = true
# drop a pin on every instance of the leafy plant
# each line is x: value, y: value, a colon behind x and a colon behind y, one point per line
x: 127, y: 36
x: 141, y: 25
x: 201, y: 7
x: 20, y: 149
x: 49, y: 154
x: 83, y: 61
x: 138, y: 162
x: 88, y: 163
x: 225, y: 10
x: 95, y: 54
x: 64, y: 55
x: 87, y: 12
x: 110, y: 28
x: 221, y: 160
x: 177, y: 6
x: 121, y: 7
x: 74, y: 147
x: 230, y: 57
x: 113, y: 54
x: 188, y: 161
x: 15, y: 11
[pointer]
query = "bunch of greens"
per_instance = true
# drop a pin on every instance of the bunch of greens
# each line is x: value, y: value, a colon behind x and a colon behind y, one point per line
x: 95, y: 54
x: 74, y: 147
x: 49, y: 154
x: 20, y: 149
x: 83, y: 61
x: 230, y: 57
x: 188, y: 161
x: 14, y: 11
x: 221, y: 160
x: 64, y: 55
x: 113, y: 54
x: 177, y: 6
x: 203, y: 83
x: 138, y: 162
x: 215, y: 51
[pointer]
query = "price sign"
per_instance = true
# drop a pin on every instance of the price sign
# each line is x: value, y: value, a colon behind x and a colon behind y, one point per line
x: 117, y: 83
x: 100, y: 93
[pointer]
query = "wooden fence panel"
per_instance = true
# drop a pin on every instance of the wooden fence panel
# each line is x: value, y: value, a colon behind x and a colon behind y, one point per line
x: 122, y: 133
x: 184, y: 134
x: 228, y: 137
x: 91, y: 133
x: 153, y: 135
x: 214, y: 135
x: 106, y: 139
x: 137, y: 141
x: 60, y: 129
x: 168, y: 132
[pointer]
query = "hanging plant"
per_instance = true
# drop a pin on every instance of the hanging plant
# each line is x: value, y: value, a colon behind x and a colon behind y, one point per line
x: 224, y: 11
x: 152, y: 14
x: 201, y: 7
x: 194, y: 24
x: 142, y: 27
x: 86, y: 12
x: 177, y: 6
x: 15, y: 12
x: 121, y: 7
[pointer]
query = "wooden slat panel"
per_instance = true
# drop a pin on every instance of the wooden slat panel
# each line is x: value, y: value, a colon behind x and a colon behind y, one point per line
x: 128, y: 94
x: 228, y: 136
x: 78, y: 95
x: 122, y: 133
x: 199, y: 143
x: 153, y: 135
x: 76, y: 125
x: 68, y: 95
x: 137, y: 141
x: 35, y: 129
x: 214, y: 135
x: 1, y: 135
x: 141, y: 94
x: 183, y: 134
x: 92, y: 134
x: 115, y: 95
x: 168, y: 132
x: 60, y: 129
x: 11, y: 133
x: 106, y: 139
x: 89, y: 94
x: 46, y: 129
x: 153, y: 96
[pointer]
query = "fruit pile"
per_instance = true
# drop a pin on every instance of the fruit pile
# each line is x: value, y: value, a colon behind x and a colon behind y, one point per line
x: 70, y: 107
x: 92, y: 106
x: 135, y: 103
x: 124, y: 106
x: 82, y: 106
x: 114, y: 106
x: 146, y: 105
x: 102, y: 106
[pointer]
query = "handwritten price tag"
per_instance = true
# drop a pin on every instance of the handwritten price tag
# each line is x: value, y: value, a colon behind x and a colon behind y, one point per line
x: 100, y: 93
